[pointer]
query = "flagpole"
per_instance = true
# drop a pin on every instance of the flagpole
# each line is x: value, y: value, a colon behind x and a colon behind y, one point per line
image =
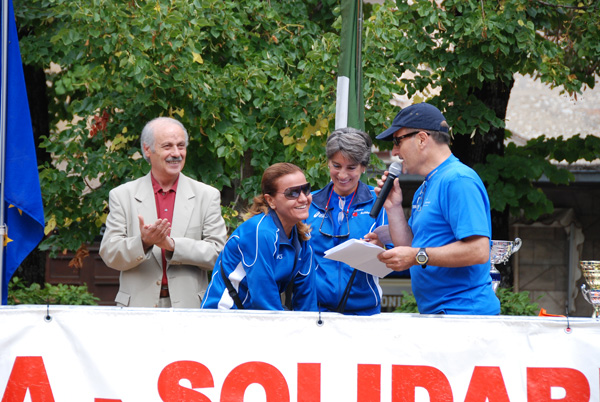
x: 349, y: 98
x: 19, y: 178
x: 3, y: 130
x: 358, y: 61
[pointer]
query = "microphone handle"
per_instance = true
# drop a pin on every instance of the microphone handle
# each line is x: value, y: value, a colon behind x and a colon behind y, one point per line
x: 383, y: 194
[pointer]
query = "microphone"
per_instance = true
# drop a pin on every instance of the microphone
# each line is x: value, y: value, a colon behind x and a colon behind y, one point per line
x: 394, y: 170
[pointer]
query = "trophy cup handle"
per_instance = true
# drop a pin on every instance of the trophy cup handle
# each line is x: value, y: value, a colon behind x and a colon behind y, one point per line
x: 517, y: 245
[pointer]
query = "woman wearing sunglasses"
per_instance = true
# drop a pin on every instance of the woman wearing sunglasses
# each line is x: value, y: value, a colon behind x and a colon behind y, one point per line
x: 268, y: 254
x: 340, y: 211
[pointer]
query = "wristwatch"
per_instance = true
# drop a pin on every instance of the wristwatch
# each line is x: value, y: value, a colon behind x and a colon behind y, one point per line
x: 422, y: 258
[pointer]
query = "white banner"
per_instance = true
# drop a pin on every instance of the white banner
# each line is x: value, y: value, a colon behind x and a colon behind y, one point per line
x: 102, y: 354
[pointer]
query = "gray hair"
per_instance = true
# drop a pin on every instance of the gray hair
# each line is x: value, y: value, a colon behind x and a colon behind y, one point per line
x: 440, y: 137
x: 147, y: 137
x: 352, y: 143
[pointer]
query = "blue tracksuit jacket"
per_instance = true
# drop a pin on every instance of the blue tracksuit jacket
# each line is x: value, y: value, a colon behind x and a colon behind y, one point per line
x: 333, y: 276
x: 258, y: 259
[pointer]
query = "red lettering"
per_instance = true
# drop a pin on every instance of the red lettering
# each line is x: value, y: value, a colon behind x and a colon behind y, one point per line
x: 309, y: 382
x: 198, y: 375
x: 487, y: 385
x: 369, y: 383
x: 406, y: 378
x: 541, y: 380
x: 271, y: 379
x: 28, y: 372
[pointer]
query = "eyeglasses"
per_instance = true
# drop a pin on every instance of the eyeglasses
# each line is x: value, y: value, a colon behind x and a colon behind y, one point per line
x: 292, y: 193
x: 343, y: 215
x: 329, y: 215
x: 397, y: 140
x: 420, y: 198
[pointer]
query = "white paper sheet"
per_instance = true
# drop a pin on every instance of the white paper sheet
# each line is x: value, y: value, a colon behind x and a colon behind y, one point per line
x: 361, y: 255
x: 383, y: 232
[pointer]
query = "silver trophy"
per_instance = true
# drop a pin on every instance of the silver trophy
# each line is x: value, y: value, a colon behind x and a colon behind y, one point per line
x: 500, y: 253
x: 591, y: 273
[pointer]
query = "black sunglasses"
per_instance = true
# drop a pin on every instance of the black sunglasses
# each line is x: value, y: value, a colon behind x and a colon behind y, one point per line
x: 397, y: 140
x: 292, y: 193
x: 329, y: 217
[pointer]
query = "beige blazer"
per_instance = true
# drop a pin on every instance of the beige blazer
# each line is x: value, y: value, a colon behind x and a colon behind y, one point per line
x: 198, y: 230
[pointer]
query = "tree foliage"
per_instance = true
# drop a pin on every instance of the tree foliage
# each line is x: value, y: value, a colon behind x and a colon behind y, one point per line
x: 511, y: 303
x: 254, y: 82
x: 464, y: 55
x: 20, y: 293
x: 509, y: 178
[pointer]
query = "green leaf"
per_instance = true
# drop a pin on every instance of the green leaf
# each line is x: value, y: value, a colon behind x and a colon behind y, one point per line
x: 272, y: 66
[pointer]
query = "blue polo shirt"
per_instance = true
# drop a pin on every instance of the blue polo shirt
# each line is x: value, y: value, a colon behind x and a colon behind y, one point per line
x: 450, y: 205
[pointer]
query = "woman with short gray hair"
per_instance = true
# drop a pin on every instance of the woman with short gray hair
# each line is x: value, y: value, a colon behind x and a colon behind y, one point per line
x: 340, y: 211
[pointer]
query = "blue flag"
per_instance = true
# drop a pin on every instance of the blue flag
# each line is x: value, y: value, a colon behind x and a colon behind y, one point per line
x: 23, y: 208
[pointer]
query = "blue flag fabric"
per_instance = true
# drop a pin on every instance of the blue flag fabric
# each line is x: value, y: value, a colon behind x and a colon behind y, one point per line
x: 24, y: 210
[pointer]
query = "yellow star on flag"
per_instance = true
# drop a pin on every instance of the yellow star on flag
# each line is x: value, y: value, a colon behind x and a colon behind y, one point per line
x: 7, y: 240
x: 20, y: 212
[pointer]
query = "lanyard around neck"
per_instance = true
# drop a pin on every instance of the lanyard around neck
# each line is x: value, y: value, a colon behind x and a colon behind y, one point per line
x: 349, y: 204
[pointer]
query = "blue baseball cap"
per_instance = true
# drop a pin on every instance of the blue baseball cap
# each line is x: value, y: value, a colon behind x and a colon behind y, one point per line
x: 420, y: 116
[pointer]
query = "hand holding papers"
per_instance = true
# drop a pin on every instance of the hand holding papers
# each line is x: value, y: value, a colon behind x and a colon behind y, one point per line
x: 361, y: 255
x: 383, y: 233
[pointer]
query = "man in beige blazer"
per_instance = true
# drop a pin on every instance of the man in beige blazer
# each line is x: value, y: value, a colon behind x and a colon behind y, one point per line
x: 185, y: 235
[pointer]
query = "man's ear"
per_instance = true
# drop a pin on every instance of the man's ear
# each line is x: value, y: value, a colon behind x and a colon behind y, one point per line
x: 147, y: 150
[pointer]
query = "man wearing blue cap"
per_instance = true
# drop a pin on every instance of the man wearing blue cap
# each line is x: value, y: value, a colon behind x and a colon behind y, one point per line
x: 446, y: 241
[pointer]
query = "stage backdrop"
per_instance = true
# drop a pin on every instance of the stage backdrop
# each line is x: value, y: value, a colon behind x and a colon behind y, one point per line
x: 101, y: 354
